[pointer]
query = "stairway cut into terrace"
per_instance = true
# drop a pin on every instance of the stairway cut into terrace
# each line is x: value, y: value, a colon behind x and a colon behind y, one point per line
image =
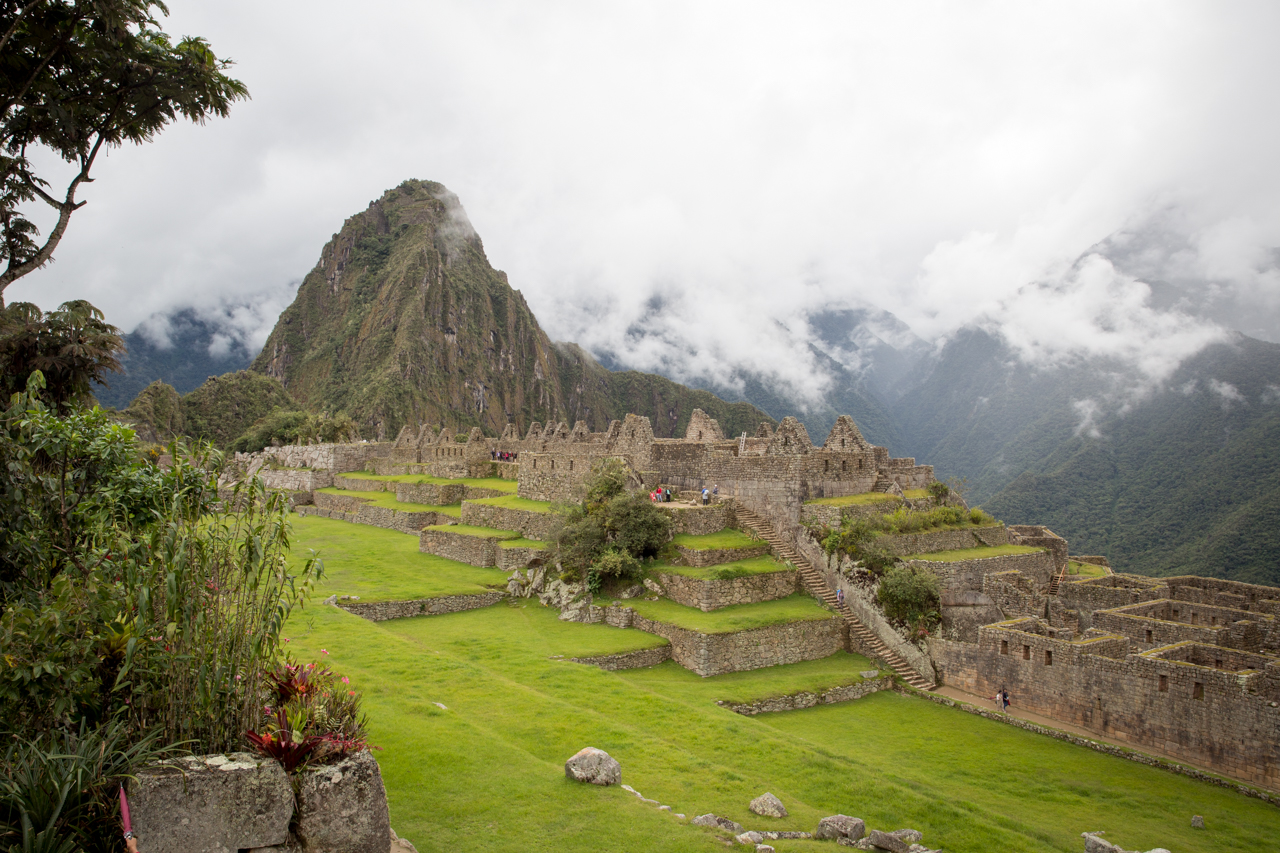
x: 814, y: 582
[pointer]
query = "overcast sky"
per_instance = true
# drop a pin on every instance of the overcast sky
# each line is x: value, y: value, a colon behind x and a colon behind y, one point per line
x: 1036, y: 167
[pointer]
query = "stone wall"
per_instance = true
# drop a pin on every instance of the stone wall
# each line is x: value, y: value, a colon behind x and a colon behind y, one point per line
x: 713, y: 654
x: 336, y: 458
x: 904, y: 544
x: 295, y: 479
x: 381, y: 611
x: 510, y: 559
x: 1041, y: 537
x: 628, y: 660
x: 796, y: 701
x: 707, y: 595
x: 1164, y: 621
x: 703, y: 557
x: 1220, y: 718
x: 832, y: 516
x: 352, y: 509
x: 473, y: 550
x: 356, y: 483
x: 969, y: 574
x: 530, y: 524
x: 700, y: 520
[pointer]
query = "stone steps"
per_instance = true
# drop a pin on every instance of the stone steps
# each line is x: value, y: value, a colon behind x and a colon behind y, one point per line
x: 815, y: 583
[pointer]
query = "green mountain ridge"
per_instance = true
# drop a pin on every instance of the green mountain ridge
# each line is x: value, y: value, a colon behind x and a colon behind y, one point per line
x: 403, y: 321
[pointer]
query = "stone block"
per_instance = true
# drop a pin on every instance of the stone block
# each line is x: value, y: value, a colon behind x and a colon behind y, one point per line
x: 342, y: 807
x: 886, y: 841
x: 767, y: 805
x: 211, y: 804
x: 595, y: 766
x: 840, y: 826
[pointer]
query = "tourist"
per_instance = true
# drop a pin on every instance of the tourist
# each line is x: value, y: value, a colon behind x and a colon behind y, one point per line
x: 706, y: 496
x: 840, y: 596
x: 716, y: 490
x: 1005, y: 695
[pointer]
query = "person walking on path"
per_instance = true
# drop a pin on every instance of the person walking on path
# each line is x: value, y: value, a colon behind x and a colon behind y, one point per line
x: 840, y: 596
x: 1005, y: 695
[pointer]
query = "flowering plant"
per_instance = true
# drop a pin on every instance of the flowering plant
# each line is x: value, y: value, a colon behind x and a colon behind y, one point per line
x: 314, y: 717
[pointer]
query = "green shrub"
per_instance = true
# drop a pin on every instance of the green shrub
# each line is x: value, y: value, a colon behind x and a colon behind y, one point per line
x: 939, y: 490
x: 609, y: 519
x: 978, y: 517
x: 617, y: 564
x: 911, y: 597
x: 286, y: 426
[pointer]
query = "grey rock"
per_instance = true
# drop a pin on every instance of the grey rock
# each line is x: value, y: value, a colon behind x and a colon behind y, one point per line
x: 730, y: 825
x: 767, y: 805
x: 869, y: 673
x: 595, y: 766
x: 401, y: 844
x: 664, y: 808
x: 749, y: 838
x: 1197, y: 822
x: 775, y: 836
x: 1094, y: 843
x: 342, y: 807
x: 632, y: 592
x: 679, y: 815
x: 1158, y: 850
x: 705, y: 820
x: 860, y: 844
x: 764, y: 848
x: 211, y: 803
x: 885, y: 841
x: 652, y: 586
x: 841, y: 826
x: 911, y: 836
x: 333, y: 599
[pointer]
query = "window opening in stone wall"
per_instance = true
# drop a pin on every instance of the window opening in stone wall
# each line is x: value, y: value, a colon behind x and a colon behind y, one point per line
x: 1213, y: 620
x: 826, y: 465
x: 1098, y: 703
x: 1149, y: 640
x: 535, y: 465
x: 1197, y: 692
x: 1193, y: 617
x: 699, y: 435
x: 1164, y: 684
x: 844, y: 466
x: 570, y: 464
x: 1026, y: 653
x: 1175, y: 614
x: 1217, y: 663
x: 842, y: 444
x: 1048, y: 657
x: 553, y: 464
x: 1004, y: 647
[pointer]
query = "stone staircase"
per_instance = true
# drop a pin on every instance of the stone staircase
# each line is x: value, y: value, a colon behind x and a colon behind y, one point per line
x: 816, y: 584
x: 883, y: 482
x: 1056, y: 581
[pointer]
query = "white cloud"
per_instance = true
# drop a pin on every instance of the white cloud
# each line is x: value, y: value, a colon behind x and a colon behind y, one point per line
x: 744, y: 162
x: 1229, y: 393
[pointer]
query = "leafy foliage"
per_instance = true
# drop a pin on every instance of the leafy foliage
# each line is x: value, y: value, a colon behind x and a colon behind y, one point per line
x: 315, y: 718
x: 911, y: 597
x: 856, y: 536
x: 611, y: 530
x: 72, y: 347
x: 283, y: 426
x: 78, y: 77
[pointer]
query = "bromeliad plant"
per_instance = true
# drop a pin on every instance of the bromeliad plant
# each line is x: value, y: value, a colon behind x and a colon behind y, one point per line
x: 315, y: 718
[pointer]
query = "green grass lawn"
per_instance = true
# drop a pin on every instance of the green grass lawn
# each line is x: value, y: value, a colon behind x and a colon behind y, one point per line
x: 487, y: 774
x: 1086, y: 570
x: 811, y: 676
x: 974, y: 553
x: 739, y: 617
x: 916, y: 494
x: 470, y: 530
x: 388, y: 499
x: 727, y: 538
x: 496, y: 483
x: 856, y: 500
x: 513, y: 502
x: 741, y: 568
x: 382, y: 565
x: 522, y: 543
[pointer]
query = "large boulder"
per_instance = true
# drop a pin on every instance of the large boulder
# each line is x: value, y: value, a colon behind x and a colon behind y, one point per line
x: 595, y: 766
x: 767, y: 805
x: 911, y: 836
x: 886, y: 841
x: 840, y: 826
x: 212, y: 803
x: 342, y: 807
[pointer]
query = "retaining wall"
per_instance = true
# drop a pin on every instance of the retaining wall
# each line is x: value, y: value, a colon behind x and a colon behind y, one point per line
x: 628, y: 660
x: 903, y: 544
x: 713, y: 594
x: 796, y: 701
x: 473, y: 550
x: 381, y: 611
x: 530, y: 524
x: 346, y: 508
x: 969, y: 574
x: 703, y: 557
x: 700, y: 520
x: 510, y: 559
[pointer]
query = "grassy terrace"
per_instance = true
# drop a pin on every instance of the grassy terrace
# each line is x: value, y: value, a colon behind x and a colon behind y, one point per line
x: 513, y: 715
x: 382, y: 565
x: 388, y: 499
x: 865, y: 498
x: 974, y: 553
x: 727, y: 538
x: 811, y: 676
x: 740, y: 617
x: 741, y: 568
x: 522, y: 543
x: 513, y: 502
x: 496, y: 483
x: 470, y: 530
x: 1086, y: 570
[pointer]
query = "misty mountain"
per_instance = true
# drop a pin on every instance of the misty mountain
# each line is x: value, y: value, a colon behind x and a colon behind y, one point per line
x: 1186, y: 482
x: 192, y: 348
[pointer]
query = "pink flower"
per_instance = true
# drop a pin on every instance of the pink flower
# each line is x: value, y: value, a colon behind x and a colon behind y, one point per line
x: 324, y: 651
x: 346, y: 680
x: 237, y: 677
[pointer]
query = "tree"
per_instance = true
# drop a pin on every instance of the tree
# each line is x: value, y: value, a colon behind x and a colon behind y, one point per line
x: 73, y: 347
x: 80, y: 75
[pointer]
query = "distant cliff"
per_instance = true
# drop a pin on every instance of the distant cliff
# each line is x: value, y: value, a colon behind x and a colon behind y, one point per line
x: 403, y: 320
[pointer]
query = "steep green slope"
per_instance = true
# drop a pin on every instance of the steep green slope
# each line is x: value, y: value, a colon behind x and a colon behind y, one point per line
x: 1187, y: 482
x: 403, y: 320
x: 220, y: 410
